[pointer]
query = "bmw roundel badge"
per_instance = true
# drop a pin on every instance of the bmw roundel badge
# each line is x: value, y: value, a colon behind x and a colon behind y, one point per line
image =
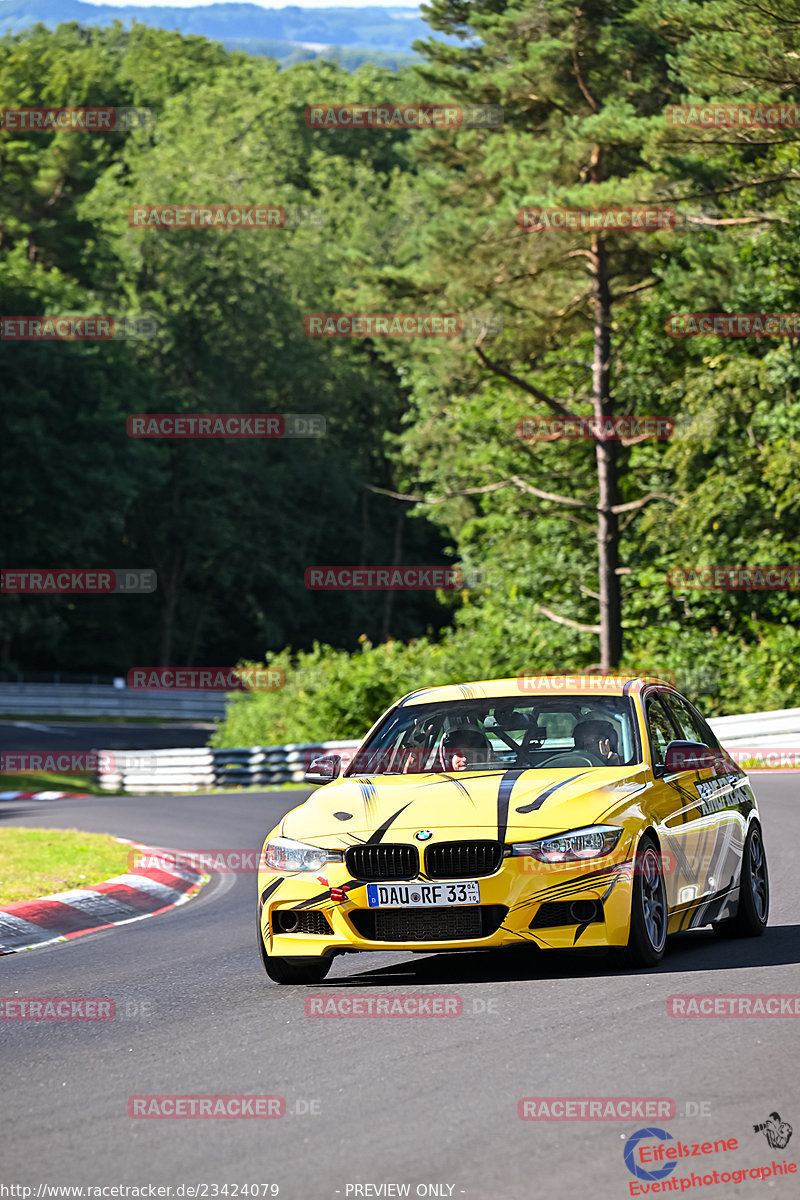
x: 423, y: 835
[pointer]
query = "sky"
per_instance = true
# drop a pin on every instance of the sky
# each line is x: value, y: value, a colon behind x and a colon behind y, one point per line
x: 260, y: 3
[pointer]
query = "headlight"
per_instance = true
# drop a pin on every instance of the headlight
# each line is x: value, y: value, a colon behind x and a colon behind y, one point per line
x: 571, y: 847
x: 284, y: 854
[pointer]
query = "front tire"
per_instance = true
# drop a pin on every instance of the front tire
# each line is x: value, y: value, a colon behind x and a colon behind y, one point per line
x: 753, y: 911
x: 648, y: 935
x: 291, y: 970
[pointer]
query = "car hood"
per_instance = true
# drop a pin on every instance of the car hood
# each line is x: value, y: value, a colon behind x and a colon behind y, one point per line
x: 507, y: 805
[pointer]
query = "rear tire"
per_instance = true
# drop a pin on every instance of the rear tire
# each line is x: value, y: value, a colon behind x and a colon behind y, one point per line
x: 751, y: 917
x: 292, y: 970
x: 648, y: 933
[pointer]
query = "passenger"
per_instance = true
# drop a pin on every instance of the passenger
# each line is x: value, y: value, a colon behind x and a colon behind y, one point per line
x: 598, y: 738
x: 462, y: 748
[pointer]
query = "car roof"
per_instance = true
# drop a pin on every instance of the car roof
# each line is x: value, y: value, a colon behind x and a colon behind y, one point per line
x: 537, y: 685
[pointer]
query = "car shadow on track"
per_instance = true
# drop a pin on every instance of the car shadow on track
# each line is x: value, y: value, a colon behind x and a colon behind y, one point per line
x: 698, y: 950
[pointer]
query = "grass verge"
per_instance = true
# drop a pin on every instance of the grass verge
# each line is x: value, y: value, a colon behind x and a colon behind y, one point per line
x: 48, y: 781
x: 255, y: 787
x: 38, y: 862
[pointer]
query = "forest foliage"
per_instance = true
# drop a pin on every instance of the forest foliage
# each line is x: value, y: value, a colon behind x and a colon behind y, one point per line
x: 421, y: 462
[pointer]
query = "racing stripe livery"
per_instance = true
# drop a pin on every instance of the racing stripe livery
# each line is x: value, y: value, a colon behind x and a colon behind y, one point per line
x: 394, y: 838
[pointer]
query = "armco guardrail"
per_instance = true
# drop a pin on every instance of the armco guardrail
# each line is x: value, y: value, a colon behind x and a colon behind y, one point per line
x: 189, y: 770
x: 778, y: 728
x: 102, y: 700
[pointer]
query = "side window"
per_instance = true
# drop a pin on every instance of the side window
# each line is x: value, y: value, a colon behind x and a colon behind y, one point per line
x: 661, y: 731
x: 682, y: 718
x: 691, y: 725
x: 702, y: 727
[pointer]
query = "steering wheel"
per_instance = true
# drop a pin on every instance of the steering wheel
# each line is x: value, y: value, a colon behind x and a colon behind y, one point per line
x: 575, y: 758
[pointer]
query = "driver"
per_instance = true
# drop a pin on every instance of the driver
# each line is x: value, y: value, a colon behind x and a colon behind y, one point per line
x: 598, y: 738
x: 461, y: 748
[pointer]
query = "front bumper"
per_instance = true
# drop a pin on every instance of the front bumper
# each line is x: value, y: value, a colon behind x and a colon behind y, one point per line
x: 523, y: 896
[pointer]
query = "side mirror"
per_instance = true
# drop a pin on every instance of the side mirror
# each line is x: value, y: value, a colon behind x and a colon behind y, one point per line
x: 688, y: 756
x: 324, y: 770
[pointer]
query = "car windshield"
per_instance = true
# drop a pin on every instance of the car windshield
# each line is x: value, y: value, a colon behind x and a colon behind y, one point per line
x: 501, y: 733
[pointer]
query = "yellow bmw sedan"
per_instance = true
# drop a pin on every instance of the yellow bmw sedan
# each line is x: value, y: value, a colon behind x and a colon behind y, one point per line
x: 563, y: 811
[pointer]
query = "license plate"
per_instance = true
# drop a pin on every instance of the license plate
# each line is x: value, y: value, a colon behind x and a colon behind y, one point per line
x: 423, y: 895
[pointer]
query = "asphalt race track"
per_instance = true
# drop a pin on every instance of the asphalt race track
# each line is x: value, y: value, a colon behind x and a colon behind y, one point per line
x: 393, y: 1101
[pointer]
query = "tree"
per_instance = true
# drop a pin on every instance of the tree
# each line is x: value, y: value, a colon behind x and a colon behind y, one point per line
x: 229, y: 526
x: 582, y: 91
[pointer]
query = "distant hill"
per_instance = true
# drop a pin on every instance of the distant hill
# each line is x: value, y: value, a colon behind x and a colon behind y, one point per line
x: 354, y: 35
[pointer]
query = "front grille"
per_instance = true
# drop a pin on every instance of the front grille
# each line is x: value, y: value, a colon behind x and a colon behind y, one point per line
x: 386, y: 861
x: 288, y: 920
x: 428, y: 924
x: 462, y: 860
x: 567, y: 912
